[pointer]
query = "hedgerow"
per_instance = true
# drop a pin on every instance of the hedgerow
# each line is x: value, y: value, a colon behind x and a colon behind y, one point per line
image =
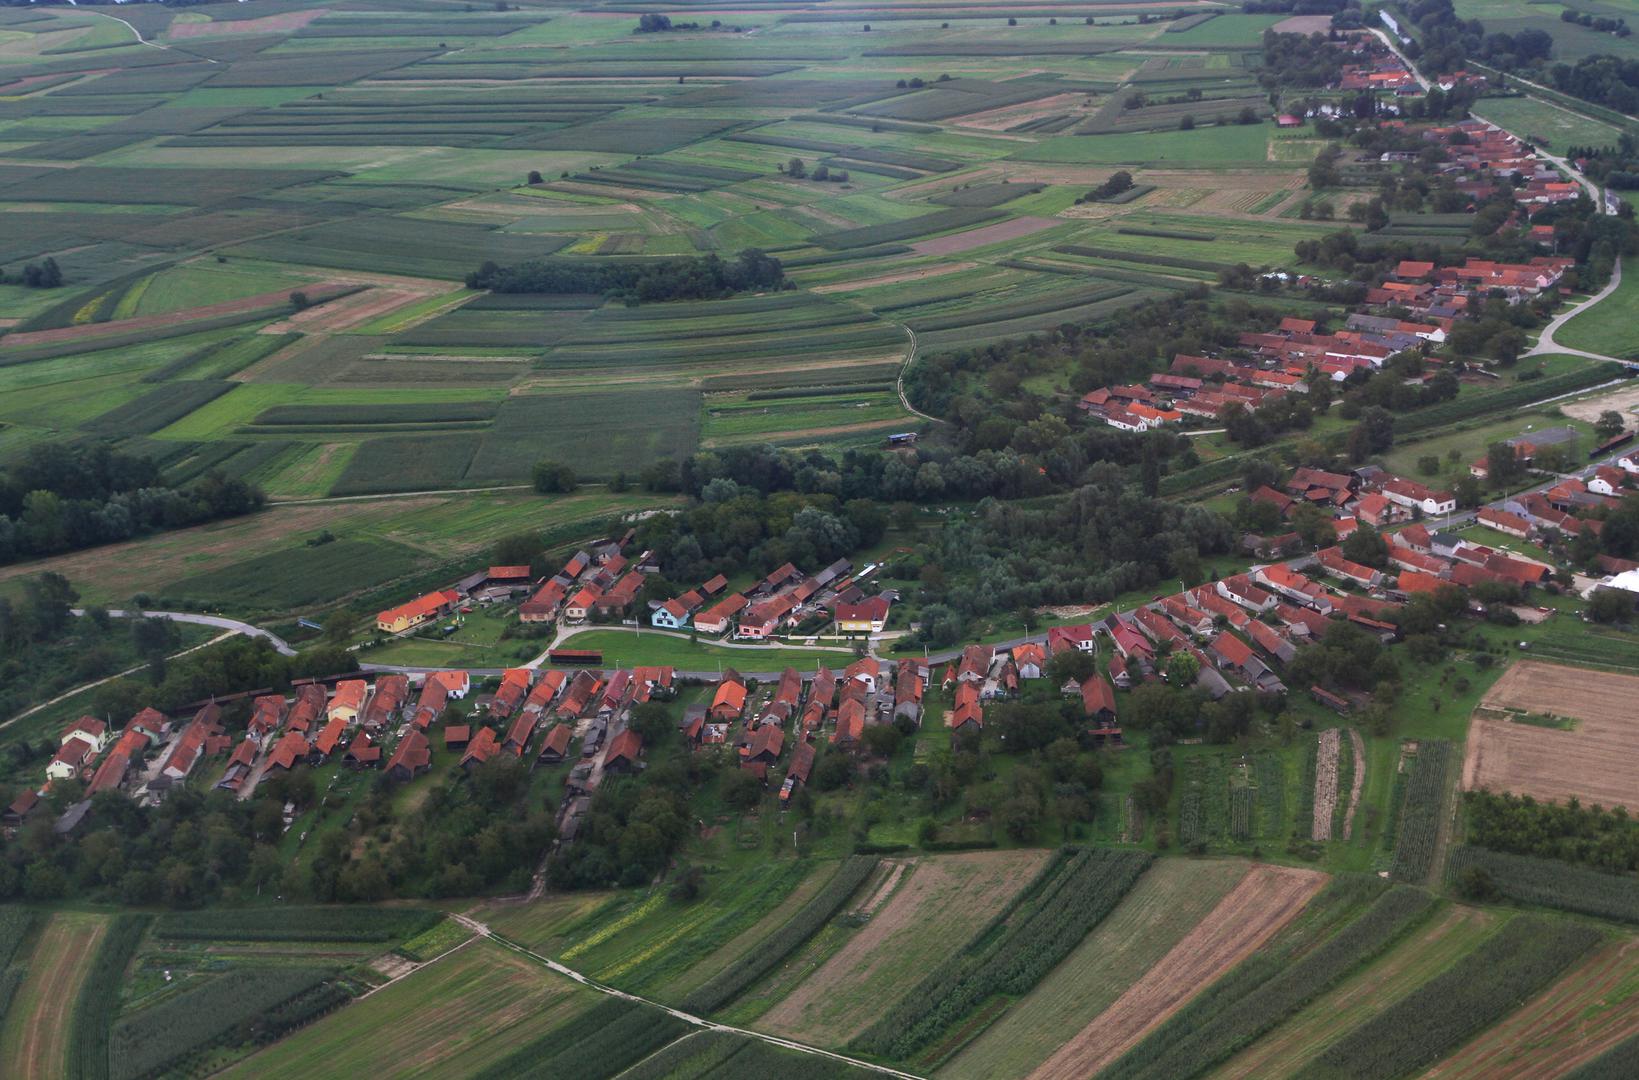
x: 1437, y: 1017
x: 1620, y: 1062
x: 99, y: 1000
x: 1420, y: 816
x: 1527, y: 879
x: 1266, y: 990
x: 727, y: 984
x: 298, y: 924
x: 1010, y: 956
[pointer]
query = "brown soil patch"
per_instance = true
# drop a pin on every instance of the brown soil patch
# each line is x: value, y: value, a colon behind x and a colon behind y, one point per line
x: 1624, y: 401
x: 1584, y: 1014
x: 317, y: 293
x: 268, y: 24
x: 1359, y: 782
x: 39, y: 1029
x: 892, y: 872
x: 1325, y: 803
x: 894, y: 279
x: 1012, y: 229
x: 346, y: 313
x: 1597, y: 761
x: 944, y: 900
x: 1266, y: 899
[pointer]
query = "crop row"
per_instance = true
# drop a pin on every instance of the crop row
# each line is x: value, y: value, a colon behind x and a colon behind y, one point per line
x: 1620, y: 1062
x: 599, y: 1043
x: 99, y: 1000
x: 1090, y: 252
x: 1437, y: 1017
x: 15, y: 925
x: 729, y: 983
x: 1527, y: 879
x: 1269, y: 772
x: 956, y: 217
x: 1041, y: 305
x: 1013, y: 958
x: 406, y: 412
x: 1420, y: 816
x: 227, y: 1006
x: 297, y: 924
x: 1265, y: 991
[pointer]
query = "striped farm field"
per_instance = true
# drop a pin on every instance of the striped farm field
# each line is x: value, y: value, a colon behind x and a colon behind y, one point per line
x: 934, y: 900
x: 1291, y: 1048
x: 39, y: 1025
x: 450, y: 1018
x: 1580, y: 1017
x: 1165, y: 905
x: 1264, y: 901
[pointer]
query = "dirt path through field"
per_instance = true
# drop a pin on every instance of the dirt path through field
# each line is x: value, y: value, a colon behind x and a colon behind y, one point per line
x: 941, y: 902
x: 1266, y: 899
x: 1325, y: 805
x: 38, y: 1025
x: 1580, y: 1017
x: 1358, y: 783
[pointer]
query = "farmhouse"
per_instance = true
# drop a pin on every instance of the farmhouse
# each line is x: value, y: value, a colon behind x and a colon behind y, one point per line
x: 624, y: 751
x: 411, y: 757
x: 718, y: 618
x: 387, y: 702
x: 348, y: 700
x: 407, y: 616
x: 866, y: 617
x: 555, y: 747
x: 511, y: 693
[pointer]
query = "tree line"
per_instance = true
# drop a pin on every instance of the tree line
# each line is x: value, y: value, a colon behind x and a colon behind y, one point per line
x: 706, y: 277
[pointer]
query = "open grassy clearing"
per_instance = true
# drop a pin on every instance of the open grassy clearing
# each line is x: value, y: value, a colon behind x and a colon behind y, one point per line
x: 1607, y: 328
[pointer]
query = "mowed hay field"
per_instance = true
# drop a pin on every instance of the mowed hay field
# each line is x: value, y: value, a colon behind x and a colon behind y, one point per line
x: 1596, y: 761
x: 1265, y: 900
x: 935, y: 900
x: 1167, y: 903
x: 450, y: 1018
x: 39, y: 1021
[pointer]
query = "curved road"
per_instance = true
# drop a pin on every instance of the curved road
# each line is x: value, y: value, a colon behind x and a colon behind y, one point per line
x: 279, y: 644
x: 1546, y: 344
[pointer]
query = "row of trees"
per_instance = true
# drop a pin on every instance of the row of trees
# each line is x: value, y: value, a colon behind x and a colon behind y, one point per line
x: 45, y: 274
x: 706, y: 277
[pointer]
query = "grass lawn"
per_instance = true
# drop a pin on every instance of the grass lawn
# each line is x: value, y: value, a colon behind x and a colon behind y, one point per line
x: 624, y: 648
x: 1549, y: 125
x: 1233, y: 145
x: 1607, y: 327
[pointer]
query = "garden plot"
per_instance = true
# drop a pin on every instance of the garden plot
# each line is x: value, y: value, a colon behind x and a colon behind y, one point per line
x: 1513, y: 745
x: 1325, y: 805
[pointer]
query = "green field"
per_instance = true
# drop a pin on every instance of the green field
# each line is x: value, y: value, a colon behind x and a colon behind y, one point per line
x: 1607, y: 328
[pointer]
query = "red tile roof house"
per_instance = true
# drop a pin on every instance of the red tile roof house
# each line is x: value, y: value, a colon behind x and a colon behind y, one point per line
x: 1207, y: 599
x: 517, y: 736
x: 729, y: 701
x: 287, y: 752
x: 579, y: 695
x: 1411, y: 494
x: 765, y: 746
x: 89, y: 730
x: 867, y: 616
x: 1187, y: 615
x: 327, y: 741
x: 1302, y: 621
x: 511, y: 693
x: 624, y: 751
x: 266, y: 714
x: 555, y: 747
x: 308, y: 708
x: 411, y: 757
x: 760, y: 620
x: 387, y: 702
x: 1098, y: 700
x: 434, y: 697
x: 1411, y: 582
x: 1240, y: 590
x: 190, y: 748
x: 457, y: 736
x: 409, y: 615
x: 72, y: 756
x: 1376, y: 510
x: 362, y: 753
x: 1282, y: 579
x: 240, y: 764
x: 620, y: 597
x: 543, y: 693
x: 580, y: 605
x: 348, y: 700
x: 1607, y: 481
x: 674, y: 613
x: 1060, y: 638
x: 1030, y: 658
x: 968, y: 715
x: 719, y: 617
x: 1270, y: 641
x: 480, y: 748
x: 796, y: 774
x: 544, y: 605
x: 1335, y: 564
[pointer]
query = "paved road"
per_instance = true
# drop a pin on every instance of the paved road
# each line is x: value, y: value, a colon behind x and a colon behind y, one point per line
x: 1547, y: 344
x: 218, y: 621
x: 688, y: 1018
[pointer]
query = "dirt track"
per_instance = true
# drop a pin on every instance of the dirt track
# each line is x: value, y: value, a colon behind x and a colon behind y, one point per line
x: 1266, y: 899
x: 1325, y: 801
x: 1597, y: 761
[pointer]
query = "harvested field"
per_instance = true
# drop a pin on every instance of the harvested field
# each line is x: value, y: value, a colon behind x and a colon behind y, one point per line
x: 894, y: 279
x: 1304, y: 24
x: 1012, y: 229
x: 1597, y: 761
x: 39, y: 1021
x: 1357, y: 783
x: 1580, y: 1017
x: 941, y: 900
x: 1166, y: 904
x: 1266, y: 899
x: 1325, y: 784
